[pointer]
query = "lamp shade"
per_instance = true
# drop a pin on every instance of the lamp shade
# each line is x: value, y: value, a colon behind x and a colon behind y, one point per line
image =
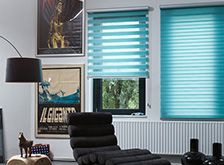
x: 23, y: 70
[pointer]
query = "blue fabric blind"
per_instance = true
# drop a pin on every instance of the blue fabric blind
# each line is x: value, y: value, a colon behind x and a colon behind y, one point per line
x: 192, y: 62
x: 118, y: 44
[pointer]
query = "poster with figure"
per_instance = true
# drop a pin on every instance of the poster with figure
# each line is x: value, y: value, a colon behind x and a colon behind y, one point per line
x: 60, y: 28
x: 60, y: 93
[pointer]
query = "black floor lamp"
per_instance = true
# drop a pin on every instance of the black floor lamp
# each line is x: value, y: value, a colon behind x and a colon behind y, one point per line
x: 22, y: 69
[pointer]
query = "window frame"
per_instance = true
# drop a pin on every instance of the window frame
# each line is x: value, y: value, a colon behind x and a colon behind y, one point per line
x: 97, y: 99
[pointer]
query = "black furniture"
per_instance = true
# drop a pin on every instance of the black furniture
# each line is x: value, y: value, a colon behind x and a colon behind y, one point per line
x: 216, y: 158
x: 94, y: 143
x: 193, y: 157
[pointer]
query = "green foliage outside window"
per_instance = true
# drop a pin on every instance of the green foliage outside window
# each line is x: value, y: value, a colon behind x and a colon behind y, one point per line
x: 120, y: 94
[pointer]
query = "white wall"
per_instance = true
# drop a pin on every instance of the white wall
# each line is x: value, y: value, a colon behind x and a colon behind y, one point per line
x: 18, y: 24
x: 17, y: 20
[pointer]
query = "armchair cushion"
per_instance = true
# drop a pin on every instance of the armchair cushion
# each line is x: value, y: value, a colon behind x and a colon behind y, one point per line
x: 93, y: 142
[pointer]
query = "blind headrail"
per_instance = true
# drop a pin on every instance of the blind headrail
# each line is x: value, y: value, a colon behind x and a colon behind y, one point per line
x: 118, y: 9
x: 203, y: 4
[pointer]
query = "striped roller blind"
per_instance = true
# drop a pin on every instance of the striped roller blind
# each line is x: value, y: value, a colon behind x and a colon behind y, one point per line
x: 118, y: 44
x: 192, y: 62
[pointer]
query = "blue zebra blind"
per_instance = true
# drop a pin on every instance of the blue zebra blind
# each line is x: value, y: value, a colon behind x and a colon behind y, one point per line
x: 192, y: 62
x: 118, y: 44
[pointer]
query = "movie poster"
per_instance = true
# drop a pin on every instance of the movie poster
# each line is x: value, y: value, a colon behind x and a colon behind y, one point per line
x: 60, y: 28
x: 60, y: 93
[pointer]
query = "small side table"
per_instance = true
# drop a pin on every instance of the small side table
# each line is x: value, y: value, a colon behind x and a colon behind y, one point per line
x: 33, y: 160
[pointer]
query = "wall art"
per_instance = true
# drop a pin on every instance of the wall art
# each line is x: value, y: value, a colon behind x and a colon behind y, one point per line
x: 60, y: 28
x: 61, y: 92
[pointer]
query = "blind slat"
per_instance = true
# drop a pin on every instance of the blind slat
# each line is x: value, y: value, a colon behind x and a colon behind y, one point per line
x: 122, y: 60
x: 101, y: 41
x: 131, y: 46
x: 102, y: 34
x: 113, y: 27
x: 117, y: 14
x: 117, y: 74
x: 128, y: 53
x: 117, y: 20
x: 120, y: 67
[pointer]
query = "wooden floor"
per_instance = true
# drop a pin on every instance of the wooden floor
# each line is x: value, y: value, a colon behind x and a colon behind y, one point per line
x: 174, y: 159
x: 66, y: 163
x: 56, y: 163
x: 74, y: 163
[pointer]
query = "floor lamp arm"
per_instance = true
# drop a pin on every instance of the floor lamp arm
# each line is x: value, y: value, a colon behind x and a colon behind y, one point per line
x: 11, y: 45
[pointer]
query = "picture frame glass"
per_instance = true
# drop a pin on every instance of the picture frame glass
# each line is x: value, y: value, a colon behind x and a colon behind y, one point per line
x: 60, y: 28
x: 60, y: 93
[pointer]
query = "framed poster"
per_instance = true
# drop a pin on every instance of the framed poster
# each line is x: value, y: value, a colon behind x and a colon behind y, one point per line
x: 61, y: 92
x: 60, y: 29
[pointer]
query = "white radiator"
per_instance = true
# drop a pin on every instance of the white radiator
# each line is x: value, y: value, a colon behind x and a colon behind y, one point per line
x: 167, y: 137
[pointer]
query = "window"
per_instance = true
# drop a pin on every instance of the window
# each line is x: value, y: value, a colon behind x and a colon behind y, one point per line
x: 192, y: 62
x: 119, y: 96
x: 118, y: 60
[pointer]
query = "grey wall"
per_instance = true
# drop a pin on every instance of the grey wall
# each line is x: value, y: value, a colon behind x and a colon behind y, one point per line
x: 18, y: 24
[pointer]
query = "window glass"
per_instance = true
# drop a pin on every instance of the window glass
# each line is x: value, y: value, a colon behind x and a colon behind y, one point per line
x: 119, y: 96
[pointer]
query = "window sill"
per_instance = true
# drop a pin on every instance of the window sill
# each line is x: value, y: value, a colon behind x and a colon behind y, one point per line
x: 129, y: 116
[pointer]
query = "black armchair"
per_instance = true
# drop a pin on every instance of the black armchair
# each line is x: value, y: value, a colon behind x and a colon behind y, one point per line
x: 94, y: 143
